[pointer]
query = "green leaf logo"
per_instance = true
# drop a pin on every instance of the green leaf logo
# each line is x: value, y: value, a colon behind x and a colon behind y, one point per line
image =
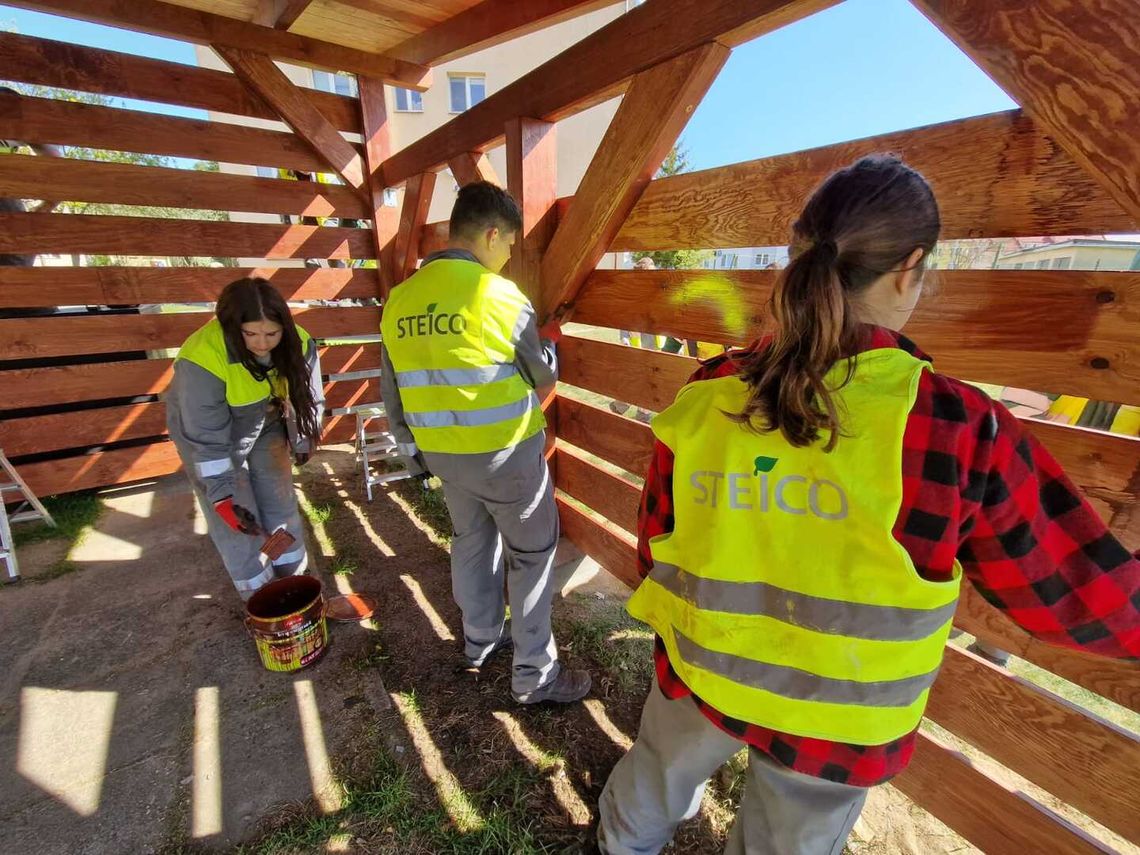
x: 431, y: 308
x: 764, y: 464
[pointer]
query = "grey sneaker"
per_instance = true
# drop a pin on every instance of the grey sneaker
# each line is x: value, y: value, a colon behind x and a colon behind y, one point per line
x: 569, y: 686
x: 503, y: 643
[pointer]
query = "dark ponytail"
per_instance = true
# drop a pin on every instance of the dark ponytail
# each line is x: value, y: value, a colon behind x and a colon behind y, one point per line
x: 254, y: 299
x: 864, y: 221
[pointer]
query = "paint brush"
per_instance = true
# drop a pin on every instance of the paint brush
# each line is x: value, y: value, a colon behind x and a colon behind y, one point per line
x: 277, y: 543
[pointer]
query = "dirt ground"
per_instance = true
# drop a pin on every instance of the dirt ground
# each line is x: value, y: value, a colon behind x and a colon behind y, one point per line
x: 135, y: 717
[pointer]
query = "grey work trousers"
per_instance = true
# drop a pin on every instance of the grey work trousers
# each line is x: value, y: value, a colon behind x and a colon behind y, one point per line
x: 503, y: 512
x: 264, y: 486
x: 660, y: 781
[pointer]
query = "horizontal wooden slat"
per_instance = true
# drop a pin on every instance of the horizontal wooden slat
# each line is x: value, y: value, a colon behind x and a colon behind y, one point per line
x: 25, y: 338
x: 647, y: 378
x: 71, y: 180
x: 999, y: 326
x: 1084, y: 761
x: 621, y: 441
x: 85, y: 472
x: 994, y: 818
x: 994, y: 176
x: 1114, y: 679
x: 607, y: 545
x: 50, y: 63
x: 39, y: 387
x: 70, y: 123
x: 612, y: 496
x: 122, y: 286
x: 75, y: 233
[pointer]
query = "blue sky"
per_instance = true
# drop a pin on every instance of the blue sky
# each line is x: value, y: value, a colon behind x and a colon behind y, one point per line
x: 863, y: 67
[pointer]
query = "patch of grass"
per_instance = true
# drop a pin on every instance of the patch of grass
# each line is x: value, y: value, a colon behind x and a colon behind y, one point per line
x: 73, y: 513
x: 318, y: 514
x: 343, y: 565
x: 617, y: 642
x: 372, y: 658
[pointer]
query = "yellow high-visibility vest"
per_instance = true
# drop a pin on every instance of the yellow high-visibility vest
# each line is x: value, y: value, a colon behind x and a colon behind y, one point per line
x: 207, y: 348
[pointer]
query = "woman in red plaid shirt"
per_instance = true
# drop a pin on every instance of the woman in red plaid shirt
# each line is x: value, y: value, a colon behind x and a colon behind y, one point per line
x: 812, y: 508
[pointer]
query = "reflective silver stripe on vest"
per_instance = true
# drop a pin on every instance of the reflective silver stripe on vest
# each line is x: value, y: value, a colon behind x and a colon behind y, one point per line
x: 835, y: 617
x: 210, y: 468
x: 472, y: 418
x: 800, y: 685
x: 455, y: 376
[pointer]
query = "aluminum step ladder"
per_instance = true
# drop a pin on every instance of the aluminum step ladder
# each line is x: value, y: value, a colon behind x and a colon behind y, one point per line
x: 373, y: 446
x: 29, y: 509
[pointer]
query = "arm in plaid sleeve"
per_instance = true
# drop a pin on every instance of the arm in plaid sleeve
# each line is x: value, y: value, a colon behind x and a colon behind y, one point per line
x: 1034, y: 548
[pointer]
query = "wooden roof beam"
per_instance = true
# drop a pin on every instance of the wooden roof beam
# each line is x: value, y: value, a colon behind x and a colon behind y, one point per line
x: 602, y: 62
x: 490, y: 23
x: 1074, y: 67
x: 193, y: 25
x: 280, y: 14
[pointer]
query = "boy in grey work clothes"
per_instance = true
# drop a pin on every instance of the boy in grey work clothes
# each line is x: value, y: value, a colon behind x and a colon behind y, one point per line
x: 501, y: 501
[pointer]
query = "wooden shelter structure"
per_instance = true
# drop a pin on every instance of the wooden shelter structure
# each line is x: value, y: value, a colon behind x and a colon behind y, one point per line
x: 1067, y: 162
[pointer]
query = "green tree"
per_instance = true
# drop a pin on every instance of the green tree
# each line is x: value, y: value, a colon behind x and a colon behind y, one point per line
x: 675, y: 162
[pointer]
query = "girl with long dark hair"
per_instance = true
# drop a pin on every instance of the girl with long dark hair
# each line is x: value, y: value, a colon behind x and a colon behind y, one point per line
x: 812, y: 508
x: 245, y: 404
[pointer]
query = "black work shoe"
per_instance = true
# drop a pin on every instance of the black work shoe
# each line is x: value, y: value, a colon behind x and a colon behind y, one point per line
x: 503, y: 643
x: 569, y: 686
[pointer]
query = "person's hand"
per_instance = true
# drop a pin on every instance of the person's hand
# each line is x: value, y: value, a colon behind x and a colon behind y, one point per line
x: 236, y: 517
x: 301, y: 458
x: 551, y: 331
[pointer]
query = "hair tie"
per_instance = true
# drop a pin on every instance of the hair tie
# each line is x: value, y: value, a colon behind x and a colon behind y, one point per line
x: 826, y: 250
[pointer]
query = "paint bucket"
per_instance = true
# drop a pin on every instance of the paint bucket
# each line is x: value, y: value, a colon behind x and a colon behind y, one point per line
x: 287, y: 621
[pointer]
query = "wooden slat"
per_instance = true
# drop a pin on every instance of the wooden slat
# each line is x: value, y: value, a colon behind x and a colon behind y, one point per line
x: 82, y: 428
x: 487, y: 24
x: 41, y: 387
x: 997, y: 820
x: 994, y: 176
x: 608, y: 494
x: 641, y: 39
x: 70, y: 123
x: 532, y: 179
x: 27, y: 338
x: 1043, y: 53
x: 988, y: 325
x: 377, y: 147
x: 413, y: 215
x: 352, y: 393
x: 205, y: 28
x: 647, y: 378
x: 656, y: 107
x: 75, y: 233
x: 115, y: 286
x: 608, y: 545
x: 126, y: 184
x: 1112, y: 678
x: 472, y: 166
x: 49, y: 63
x: 119, y: 466
x: 1082, y: 760
x: 260, y: 74
x: 623, y: 442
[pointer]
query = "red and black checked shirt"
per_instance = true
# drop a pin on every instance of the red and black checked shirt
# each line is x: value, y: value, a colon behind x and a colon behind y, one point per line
x: 976, y: 487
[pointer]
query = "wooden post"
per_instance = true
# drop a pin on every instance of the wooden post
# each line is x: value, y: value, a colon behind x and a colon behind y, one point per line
x: 377, y: 148
x: 413, y: 215
x: 472, y: 166
x: 532, y: 178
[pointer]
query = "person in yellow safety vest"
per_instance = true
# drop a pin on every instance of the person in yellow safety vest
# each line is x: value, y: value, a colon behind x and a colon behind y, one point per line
x: 1098, y: 415
x: 811, y: 509
x: 246, y: 392
x: 462, y: 359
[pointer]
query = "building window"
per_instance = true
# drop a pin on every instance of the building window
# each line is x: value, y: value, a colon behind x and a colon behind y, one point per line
x: 340, y: 84
x: 409, y: 101
x: 1043, y: 265
x: 762, y: 259
x: 1062, y: 263
x: 466, y: 91
x: 1018, y: 265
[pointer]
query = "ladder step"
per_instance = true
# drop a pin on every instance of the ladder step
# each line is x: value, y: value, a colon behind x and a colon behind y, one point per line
x: 4, y: 487
x: 26, y: 516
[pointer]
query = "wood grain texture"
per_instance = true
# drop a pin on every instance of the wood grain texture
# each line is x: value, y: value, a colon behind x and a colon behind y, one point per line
x: 126, y: 184
x: 1081, y: 759
x: 27, y: 338
x: 608, y: 545
x: 994, y: 176
x: 114, y: 286
x: 260, y: 74
x: 621, y: 441
x: 636, y: 41
x: 486, y: 25
x: 205, y: 28
x: 85, y: 472
x: 50, y: 63
x: 82, y: 428
x: 997, y: 820
x: 646, y: 378
x: 1075, y: 67
x: 413, y: 215
x: 613, y: 496
x: 654, y: 110
x: 114, y: 235
x: 472, y: 166
x: 983, y: 325
x: 532, y: 179
x: 377, y: 147
x: 44, y: 120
